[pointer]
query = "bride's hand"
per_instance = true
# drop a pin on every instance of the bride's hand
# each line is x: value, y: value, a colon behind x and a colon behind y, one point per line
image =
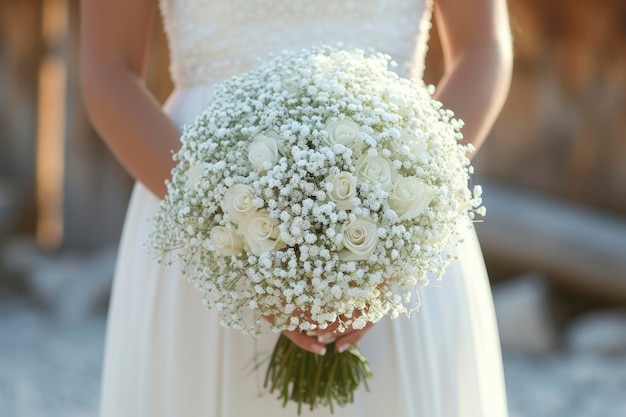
x: 343, y: 340
x: 301, y: 339
x: 315, y: 340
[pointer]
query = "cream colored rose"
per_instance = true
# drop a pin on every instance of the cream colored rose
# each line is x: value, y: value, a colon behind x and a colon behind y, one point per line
x: 263, y: 151
x: 344, y: 189
x: 344, y: 132
x: 260, y: 232
x: 238, y: 202
x: 360, y: 238
x: 226, y: 242
x: 281, y: 143
x: 410, y: 197
x: 409, y: 145
x: 377, y: 169
x: 193, y: 175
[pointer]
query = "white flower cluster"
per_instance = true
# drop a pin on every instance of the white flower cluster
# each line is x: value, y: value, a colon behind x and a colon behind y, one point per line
x: 315, y: 186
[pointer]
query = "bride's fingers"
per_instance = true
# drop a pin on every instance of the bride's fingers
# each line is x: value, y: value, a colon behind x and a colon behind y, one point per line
x: 344, y: 342
x: 330, y: 334
x: 324, y: 334
x: 306, y: 342
x: 315, y: 340
x: 302, y: 340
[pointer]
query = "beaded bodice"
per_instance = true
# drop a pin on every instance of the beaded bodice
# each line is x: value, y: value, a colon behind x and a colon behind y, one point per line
x: 211, y: 40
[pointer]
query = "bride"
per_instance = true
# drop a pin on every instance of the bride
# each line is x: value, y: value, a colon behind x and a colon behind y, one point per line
x: 166, y: 355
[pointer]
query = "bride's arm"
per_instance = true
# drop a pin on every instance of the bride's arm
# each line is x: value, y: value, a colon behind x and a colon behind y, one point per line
x: 113, y: 49
x: 477, y: 50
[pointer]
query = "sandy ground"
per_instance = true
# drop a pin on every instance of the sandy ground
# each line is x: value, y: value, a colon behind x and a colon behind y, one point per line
x: 51, y: 367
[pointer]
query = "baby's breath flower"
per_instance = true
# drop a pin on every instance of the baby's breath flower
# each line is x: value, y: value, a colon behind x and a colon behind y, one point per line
x: 319, y: 182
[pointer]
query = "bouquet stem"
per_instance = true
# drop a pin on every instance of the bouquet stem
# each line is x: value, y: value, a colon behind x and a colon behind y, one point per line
x: 313, y: 380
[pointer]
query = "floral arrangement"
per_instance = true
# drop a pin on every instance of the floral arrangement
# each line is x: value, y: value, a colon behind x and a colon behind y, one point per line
x: 317, y: 185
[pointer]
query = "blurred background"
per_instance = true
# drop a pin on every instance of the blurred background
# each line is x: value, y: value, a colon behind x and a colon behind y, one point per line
x: 554, y: 239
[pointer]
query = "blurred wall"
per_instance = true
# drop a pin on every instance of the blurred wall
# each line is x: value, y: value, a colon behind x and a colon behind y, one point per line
x: 94, y: 188
x: 563, y: 129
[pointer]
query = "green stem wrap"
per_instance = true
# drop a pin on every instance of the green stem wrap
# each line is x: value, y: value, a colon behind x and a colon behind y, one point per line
x: 313, y: 380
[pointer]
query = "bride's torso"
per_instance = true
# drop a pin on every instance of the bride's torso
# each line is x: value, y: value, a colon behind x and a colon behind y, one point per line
x: 211, y: 40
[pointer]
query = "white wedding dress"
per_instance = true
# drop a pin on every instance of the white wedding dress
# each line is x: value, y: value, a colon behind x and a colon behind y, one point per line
x: 167, y: 356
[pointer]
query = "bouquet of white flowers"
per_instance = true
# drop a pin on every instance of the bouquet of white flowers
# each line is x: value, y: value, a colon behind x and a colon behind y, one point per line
x: 314, y: 187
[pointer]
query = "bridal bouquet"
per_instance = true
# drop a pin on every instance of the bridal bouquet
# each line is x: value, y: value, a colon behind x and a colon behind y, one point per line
x: 321, y: 189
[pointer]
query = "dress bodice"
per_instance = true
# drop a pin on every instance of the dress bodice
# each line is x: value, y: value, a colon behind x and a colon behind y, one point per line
x: 211, y: 40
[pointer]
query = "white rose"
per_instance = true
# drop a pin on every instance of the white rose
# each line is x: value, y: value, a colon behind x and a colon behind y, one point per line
x: 377, y: 169
x: 193, y: 175
x: 344, y: 189
x: 360, y: 238
x: 263, y: 151
x: 238, y: 202
x: 281, y: 142
x: 409, y: 145
x: 226, y: 242
x: 344, y: 132
x: 410, y: 197
x: 260, y: 232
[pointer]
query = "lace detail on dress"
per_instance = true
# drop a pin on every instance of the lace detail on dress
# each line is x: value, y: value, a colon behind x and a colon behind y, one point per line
x: 211, y: 40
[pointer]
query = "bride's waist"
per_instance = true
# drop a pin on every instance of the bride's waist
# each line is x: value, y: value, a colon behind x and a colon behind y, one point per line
x: 188, y: 101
